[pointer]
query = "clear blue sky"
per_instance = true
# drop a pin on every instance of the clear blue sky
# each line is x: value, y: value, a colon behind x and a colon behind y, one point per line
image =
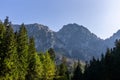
x: 101, y: 17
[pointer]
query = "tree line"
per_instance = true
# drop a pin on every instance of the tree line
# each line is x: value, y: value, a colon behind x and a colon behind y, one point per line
x: 105, y: 68
x: 19, y: 60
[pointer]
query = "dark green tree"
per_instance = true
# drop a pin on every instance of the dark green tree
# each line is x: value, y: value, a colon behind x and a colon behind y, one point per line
x: 22, y: 49
x: 106, y: 68
x: 2, y: 38
x: 6, y: 21
x: 63, y: 70
x: 52, y: 53
x: 116, y: 61
x: 10, y: 55
x: 2, y: 48
x: 35, y: 66
x: 77, y: 75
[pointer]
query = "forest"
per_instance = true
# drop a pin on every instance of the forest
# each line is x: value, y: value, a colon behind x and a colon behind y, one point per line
x: 19, y: 60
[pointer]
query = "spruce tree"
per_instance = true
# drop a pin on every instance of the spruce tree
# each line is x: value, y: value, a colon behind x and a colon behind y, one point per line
x: 48, y: 67
x: 77, y: 75
x: 6, y: 21
x: 22, y: 49
x: 63, y: 70
x: 2, y: 48
x: 52, y: 53
x: 2, y: 38
x: 34, y: 64
x: 10, y: 55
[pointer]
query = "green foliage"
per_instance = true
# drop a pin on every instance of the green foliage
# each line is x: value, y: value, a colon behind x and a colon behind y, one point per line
x: 77, y: 75
x: 2, y: 39
x: 19, y: 59
x: 2, y: 53
x: 35, y: 67
x: 52, y: 53
x: 48, y: 67
x: 8, y: 53
x: 22, y: 49
x: 10, y: 70
x: 63, y: 70
x: 107, y: 68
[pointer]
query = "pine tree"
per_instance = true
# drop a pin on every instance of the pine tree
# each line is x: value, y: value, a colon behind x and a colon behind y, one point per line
x: 115, y: 64
x: 108, y: 65
x: 2, y: 36
x: 77, y: 75
x: 22, y: 49
x: 6, y: 21
x: 35, y: 66
x: 63, y: 70
x: 107, y: 68
x: 52, y: 53
x: 2, y: 48
x: 48, y: 67
x: 10, y: 55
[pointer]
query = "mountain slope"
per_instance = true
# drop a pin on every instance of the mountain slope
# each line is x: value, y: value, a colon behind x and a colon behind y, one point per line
x: 73, y: 40
x: 110, y: 42
x: 80, y: 42
x: 41, y: 33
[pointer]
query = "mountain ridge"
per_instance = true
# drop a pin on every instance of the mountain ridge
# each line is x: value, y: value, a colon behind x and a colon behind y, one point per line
x: 72, y: 40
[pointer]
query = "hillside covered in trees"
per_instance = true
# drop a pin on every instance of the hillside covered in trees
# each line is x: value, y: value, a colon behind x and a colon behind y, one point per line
x: 19, y: 60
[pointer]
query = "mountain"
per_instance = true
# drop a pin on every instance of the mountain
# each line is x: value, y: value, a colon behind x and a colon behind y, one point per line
x: 79, y: 42
x: 44, y: 37
x: 110, y: 42
x: 73, y: 40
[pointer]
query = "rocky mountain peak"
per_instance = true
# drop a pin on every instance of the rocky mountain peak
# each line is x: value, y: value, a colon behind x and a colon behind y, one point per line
x: 38, y: 26
x: 73, y: 28
x: 73, y: 40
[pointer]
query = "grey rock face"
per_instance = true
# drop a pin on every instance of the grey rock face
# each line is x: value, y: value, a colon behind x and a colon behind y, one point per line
x: 73, y: 40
